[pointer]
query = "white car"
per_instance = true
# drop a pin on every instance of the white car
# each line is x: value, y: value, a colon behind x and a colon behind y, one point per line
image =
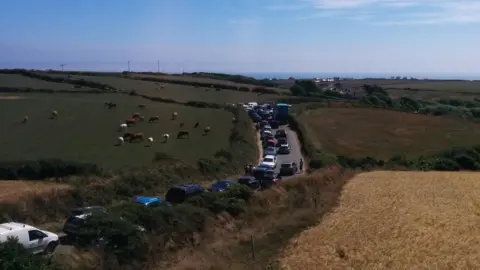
x: 33, y: 239
x: 266, y: 132
x: 269, y: 160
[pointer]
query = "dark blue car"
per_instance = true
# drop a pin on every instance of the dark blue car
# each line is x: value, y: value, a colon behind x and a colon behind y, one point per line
x: 256, y: 118
x: 221, y: 185
x: 150, y: 201
x: 179, y: 193
x: 249, y: 181
x: 274, y: 124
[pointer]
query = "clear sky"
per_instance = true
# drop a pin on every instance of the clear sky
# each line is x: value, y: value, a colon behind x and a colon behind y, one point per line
x: 425, y: 36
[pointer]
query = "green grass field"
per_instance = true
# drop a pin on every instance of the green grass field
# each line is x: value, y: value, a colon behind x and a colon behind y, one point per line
x: 87, y: 131
x: 358, y: 132
x: 173, y: 91
x: 186, y: 78
x: 19, y: 81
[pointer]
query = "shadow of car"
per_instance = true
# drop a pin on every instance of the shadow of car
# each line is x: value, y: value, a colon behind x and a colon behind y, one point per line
x: 249, y: 181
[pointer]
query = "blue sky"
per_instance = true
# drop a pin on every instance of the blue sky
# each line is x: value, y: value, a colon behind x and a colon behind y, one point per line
x: 365, y: 36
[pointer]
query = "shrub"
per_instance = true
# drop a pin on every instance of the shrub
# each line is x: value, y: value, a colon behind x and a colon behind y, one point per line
x: 48, y: 168
x: 79, y: 82
x: 202, y: 104
x: 13, y: 256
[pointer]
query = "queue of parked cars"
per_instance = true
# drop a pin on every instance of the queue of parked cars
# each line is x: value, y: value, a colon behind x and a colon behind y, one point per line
x: 275, y: 142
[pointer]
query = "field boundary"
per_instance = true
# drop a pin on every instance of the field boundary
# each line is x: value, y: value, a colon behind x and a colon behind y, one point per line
x: 105, y: 87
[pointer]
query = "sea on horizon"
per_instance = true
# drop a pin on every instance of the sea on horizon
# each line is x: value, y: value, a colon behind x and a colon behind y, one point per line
x: 176, y: 69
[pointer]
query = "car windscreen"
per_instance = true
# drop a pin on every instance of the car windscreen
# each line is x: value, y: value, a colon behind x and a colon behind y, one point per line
x: 268, y: 160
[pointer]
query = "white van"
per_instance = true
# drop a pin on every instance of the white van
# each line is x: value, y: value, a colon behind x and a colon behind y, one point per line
x: 33, y: 239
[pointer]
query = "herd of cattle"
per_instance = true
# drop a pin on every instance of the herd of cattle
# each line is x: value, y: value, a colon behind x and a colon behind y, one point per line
x: 135, y: 119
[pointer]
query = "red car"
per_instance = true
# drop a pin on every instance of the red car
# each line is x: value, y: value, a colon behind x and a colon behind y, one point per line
x: 269, y: 143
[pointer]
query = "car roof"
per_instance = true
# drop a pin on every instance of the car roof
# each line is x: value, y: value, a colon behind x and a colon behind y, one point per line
x: 287, y: 162
x: 14, y: 226
x: 246, y: 177
x: 269, y: 156
x: 225, y: 181
x: 146, y: 200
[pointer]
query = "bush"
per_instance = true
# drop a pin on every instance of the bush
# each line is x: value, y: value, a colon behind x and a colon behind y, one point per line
x: 13, y: 256
x: 321, y: 159
x: 202, y: 104
x: 41, y: 169
x: 79, y: 82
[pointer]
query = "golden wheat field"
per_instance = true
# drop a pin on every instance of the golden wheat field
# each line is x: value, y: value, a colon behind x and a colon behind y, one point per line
x: 396, y: 220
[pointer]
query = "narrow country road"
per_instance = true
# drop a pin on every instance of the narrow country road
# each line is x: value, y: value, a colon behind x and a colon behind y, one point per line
x: 295, y: 151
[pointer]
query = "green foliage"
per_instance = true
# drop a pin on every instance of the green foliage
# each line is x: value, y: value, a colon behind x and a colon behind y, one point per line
x: 297, y: 90
x: 308, y: 86
x: 376, y: 96
x: 13, y: 256
x: 49, y: 168
x: 198, y: 84
x: 80, y: 82
x: 233, y: 78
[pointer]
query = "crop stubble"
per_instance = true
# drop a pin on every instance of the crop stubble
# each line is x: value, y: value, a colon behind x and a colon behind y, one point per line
x: 396, y: 220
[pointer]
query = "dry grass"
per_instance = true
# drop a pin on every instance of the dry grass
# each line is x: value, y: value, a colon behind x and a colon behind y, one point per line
x: 12, y: 191
x: 273, y: 217
x: 383, y: 133
x: 396, y: 220
x: 9, y: 97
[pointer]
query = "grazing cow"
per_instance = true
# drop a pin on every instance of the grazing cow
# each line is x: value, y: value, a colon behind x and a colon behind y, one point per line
x: 182, y: 124
x: 54, y: 115
x: 183, y: 133
x: 25, y: 120
x: 166, y: 137
x: 110, y: 104
x: 142, y: 118
x: 136, y: 115
x: 142, y: 106
x: 120, y: 141
x: 196, y: 125
x: 206, y: 130
x: 162, y: 86
x: 174, y: 115
x: 137, y: 136
x: 123, y: 127
x: 128, y: 135
x: 130, y: 121
x: 150, y: 141
x: 153, y: 119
